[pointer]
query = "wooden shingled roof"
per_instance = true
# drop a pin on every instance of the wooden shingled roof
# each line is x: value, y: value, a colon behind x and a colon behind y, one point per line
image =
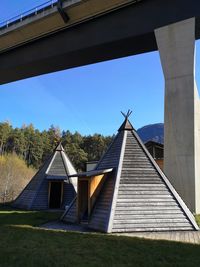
x: 57, y: 167
x: 136, y: 196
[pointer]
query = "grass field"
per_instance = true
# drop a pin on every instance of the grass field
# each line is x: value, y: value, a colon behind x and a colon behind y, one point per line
x: 197, y: 217
x: 23, y: 244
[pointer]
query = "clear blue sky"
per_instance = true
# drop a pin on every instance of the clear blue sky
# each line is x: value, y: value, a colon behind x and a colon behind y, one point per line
x: 87, y: 99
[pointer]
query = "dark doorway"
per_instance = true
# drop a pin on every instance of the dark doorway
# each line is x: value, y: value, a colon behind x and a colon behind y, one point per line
x: 55, y: 197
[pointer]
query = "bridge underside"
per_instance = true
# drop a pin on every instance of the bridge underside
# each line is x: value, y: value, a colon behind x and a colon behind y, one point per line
x: 123, y: 32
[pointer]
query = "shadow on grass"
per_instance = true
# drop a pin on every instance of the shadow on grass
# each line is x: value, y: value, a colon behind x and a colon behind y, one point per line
x: 36, y: 247
x: 6, y: 205
x: 9, y: 216
x: 21, y: 244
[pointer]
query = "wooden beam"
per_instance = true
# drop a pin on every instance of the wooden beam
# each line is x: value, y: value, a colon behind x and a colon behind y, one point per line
x: 49, y: 192
x: 96, y: 183
x: 61, y: 195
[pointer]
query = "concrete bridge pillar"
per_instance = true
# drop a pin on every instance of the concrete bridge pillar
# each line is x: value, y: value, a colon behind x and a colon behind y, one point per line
x: 176, y: 45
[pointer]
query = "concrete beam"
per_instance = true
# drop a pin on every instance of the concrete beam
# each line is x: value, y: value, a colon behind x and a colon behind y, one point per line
x: 176, y: 44
x: 122, y: 31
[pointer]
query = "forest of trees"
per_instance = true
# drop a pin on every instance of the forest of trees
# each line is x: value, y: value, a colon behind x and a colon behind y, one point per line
x: 34, y: 146
x: 23, y: 150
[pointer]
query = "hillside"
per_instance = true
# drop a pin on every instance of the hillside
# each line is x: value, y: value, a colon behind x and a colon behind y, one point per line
x: 154, y: 132
x: 14, y: 175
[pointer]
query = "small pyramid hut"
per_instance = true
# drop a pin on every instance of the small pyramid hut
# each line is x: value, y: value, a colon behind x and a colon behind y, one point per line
x: 128, y: 192
x: 51, y: 186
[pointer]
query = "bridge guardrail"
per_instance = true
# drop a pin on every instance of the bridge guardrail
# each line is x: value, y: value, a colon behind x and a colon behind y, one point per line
x: 30, y: 13
x: 34, y: 11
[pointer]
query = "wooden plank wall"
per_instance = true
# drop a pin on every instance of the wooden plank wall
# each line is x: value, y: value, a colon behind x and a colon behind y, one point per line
x: 26, y: 198
x: 144, y: 202
x: 69, y: 194
x: 41, y: 199
x: 57, y: 167
x: 101, y: 212
x: 95, y: 186
x: 71, y: 215
x: 35, y: 195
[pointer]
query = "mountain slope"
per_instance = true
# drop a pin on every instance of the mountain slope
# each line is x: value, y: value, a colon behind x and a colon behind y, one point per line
x: 153, y: 132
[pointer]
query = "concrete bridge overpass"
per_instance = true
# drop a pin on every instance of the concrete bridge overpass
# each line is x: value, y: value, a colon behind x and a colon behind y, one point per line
x: 96, y: 31
x: 79, y: 32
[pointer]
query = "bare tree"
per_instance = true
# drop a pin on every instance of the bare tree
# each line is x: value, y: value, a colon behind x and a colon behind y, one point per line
x: 14, y: 175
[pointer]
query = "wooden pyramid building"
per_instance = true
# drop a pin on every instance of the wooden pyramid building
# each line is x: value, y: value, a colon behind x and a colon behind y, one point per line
x: 51, y: 186
x: 133, y: 195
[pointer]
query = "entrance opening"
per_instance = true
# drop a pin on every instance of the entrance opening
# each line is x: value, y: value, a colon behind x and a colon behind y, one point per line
x: 83, y: 200
x: 55, y: 197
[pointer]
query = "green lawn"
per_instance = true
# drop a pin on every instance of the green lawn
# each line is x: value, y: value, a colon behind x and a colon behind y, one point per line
x: 23, y: 244
x: 197, y: 217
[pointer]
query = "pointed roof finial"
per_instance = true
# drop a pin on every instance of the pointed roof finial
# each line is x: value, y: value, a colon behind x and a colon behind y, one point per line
x: 126, y: 125
x: 59, y: 146
x: 127, y: 114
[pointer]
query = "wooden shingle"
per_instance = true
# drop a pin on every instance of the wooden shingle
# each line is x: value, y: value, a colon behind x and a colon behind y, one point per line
x: 136, y: 195
x: 58, y: 167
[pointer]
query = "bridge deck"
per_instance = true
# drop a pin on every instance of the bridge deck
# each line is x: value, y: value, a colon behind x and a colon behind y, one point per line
x: 96, y: 31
